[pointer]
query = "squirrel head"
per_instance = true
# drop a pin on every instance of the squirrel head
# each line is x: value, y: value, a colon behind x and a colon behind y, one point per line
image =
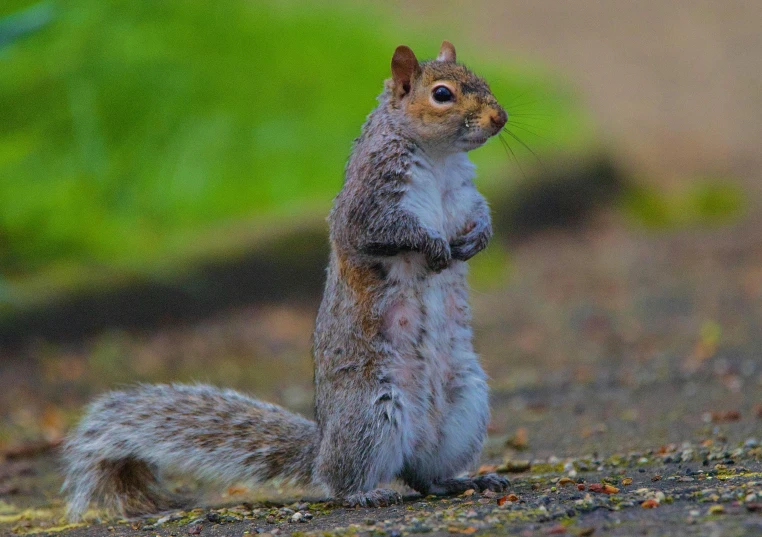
x: 445, y: 106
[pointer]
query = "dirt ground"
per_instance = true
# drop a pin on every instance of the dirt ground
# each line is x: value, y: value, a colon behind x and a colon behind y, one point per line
x: 614, y: 354
x: 620, y: 357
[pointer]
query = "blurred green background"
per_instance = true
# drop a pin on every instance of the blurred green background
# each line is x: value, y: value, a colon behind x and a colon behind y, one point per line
x: 138, y: 137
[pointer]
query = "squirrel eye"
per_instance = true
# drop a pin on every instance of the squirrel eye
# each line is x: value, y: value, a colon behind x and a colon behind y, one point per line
x: 442, y: 94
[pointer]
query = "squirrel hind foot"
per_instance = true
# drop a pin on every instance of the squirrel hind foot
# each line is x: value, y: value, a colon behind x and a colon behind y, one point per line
x: 373, y: 498
x: 492, y: 482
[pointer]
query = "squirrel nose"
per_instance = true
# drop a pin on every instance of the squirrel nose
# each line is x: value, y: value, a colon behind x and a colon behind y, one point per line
x: 498, y: 119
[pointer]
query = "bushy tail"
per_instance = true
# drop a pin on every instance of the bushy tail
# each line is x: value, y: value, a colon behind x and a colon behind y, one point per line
x: 127, y: 439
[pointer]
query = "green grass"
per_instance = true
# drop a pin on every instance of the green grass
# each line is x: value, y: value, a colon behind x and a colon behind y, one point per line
x: 704, y: 202
x: 136, y: 136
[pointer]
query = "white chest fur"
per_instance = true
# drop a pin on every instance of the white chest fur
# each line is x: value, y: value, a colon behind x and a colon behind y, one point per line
x: 441, y: 192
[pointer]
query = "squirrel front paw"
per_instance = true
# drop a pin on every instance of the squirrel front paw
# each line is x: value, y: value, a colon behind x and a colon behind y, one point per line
x: 438, y: 256
x: 473, y: 241
x: 373, y: 498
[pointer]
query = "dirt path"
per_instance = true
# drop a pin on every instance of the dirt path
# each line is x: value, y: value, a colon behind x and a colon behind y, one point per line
x: 670, y: 499
x: 614, y: 354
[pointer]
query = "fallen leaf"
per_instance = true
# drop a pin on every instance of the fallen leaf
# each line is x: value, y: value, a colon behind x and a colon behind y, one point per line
x: 564, y: 481
x: 586, y: 532
x: 556, y: 530
x: 657, y: 477
x: 520, y: 439
x: 486, y: 469
x: 650, y: 504
x: 513, y: 498
x: 627, y: 481
x: 725, y: 417
x: 237, y: 490
x: 468, y: 530
x: 514, y: 466
x: 603, y: 489
x: 502, y: 500
x: 469, y: 492
x: 52, y: 423
x: 580, y: 486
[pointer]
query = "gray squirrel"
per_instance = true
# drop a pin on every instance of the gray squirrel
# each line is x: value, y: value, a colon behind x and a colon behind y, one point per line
x: 399, y: 391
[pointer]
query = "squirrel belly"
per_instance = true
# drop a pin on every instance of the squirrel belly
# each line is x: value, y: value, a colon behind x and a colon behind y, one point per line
x: 127, y: 439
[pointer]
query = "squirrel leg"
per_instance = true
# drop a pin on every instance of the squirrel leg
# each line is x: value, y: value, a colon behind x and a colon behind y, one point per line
x: 460, y: 438
x: 361, y: 450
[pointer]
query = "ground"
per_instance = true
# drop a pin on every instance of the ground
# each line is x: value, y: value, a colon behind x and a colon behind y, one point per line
x: 613, y: 354
x: 616, y: 352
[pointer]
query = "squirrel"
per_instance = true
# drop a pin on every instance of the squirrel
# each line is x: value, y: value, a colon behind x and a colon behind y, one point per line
x: 399, y: 390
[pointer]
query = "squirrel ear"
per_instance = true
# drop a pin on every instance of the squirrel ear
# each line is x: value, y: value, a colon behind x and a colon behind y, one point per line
x: 446, y: 52
x: 404, y: 68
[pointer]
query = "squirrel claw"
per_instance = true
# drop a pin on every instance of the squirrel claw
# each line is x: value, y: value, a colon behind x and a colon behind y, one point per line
x: 373, y: 498
x: 474, y: 241
x: 492, y: 482
x: 438, y: 256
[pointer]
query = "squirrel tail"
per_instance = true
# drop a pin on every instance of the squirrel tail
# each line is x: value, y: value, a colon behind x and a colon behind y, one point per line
x: 127, y: 439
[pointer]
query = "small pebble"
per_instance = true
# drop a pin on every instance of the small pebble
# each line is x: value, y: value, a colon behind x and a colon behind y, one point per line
x: 213, y: 517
